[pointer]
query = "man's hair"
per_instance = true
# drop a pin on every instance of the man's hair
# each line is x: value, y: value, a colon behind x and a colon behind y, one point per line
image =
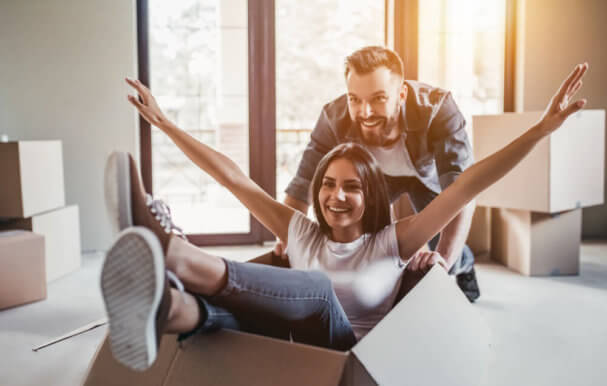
x: 368, y: 59
x: 375, y: 188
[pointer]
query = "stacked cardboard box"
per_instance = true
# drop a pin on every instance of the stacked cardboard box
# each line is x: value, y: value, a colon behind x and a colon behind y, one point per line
x: 32, y: 198
x: 536, y: 216
x: 479, y: 237
x: 22, y: 276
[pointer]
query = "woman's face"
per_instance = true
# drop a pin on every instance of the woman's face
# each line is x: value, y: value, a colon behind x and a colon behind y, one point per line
x: 341, y: 200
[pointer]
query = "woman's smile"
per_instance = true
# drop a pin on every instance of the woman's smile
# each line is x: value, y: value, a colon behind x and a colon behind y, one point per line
x: 342, y: 200
x: 338, y: 209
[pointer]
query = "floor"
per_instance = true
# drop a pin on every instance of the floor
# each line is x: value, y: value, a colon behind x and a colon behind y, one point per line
x: 545, y: 331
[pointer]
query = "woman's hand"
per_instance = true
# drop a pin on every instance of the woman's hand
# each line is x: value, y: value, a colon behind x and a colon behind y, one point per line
x: 560, y: 106
x: 146, y: 105
x: 424, y: 260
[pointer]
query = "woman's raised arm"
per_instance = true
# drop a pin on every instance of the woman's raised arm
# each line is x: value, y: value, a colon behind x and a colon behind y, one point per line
x: 414, y: 231
x: 271, y: 213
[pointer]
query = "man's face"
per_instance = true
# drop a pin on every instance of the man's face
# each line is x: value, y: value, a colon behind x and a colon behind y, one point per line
x: 374, y: 101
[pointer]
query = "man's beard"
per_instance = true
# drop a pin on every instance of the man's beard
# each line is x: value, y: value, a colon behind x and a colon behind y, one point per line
x: 379, y: 135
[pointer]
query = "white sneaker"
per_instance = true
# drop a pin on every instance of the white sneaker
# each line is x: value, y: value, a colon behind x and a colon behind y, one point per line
x: 137, y: 297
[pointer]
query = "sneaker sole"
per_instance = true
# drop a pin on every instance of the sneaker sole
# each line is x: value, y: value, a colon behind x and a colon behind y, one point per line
x: 132, y: 281
x: 117, y: 189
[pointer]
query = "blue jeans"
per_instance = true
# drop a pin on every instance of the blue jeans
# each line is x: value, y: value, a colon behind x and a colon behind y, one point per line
x: 280, y: 303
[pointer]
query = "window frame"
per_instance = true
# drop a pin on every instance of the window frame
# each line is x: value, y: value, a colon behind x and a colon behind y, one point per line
x: 405, y: 38
x: 262, y: 114
x: 401, y: 32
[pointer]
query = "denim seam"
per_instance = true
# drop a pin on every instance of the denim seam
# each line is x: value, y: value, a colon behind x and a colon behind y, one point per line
x: 233, y: 285
x: 286, y: 298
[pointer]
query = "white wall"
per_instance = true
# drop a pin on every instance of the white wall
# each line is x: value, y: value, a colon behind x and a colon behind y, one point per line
x: 62, y: 64
x: 556, y: 35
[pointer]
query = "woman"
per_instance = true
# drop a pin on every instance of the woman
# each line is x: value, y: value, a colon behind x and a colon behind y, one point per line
x: 353, y: 231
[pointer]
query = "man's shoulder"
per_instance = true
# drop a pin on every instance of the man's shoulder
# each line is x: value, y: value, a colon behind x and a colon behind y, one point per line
x: 335, y: 114
x: 424, y: 94
x: 337, y: 108
x: 425, y: 102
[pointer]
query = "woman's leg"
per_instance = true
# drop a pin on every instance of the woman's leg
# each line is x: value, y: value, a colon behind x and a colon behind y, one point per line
x: 262, y: 299
x: 302, y: 301
x: 184, y: 314
x: 190, y: 314
x: 200, y: 272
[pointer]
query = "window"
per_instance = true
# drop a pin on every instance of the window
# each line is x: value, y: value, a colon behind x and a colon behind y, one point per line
x: 461, y: 48
x: 312, y: 40
x: 196, y: 57
x: 199, y: 68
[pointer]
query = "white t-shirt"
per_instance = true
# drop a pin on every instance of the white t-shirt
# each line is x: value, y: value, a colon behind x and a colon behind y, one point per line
x: 394, y: 160
x: 351, y: 268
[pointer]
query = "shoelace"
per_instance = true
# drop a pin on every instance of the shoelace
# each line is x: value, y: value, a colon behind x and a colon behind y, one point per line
x: 162, y: 212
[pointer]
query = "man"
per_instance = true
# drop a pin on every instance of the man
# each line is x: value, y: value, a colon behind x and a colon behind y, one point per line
x: 417, y: 134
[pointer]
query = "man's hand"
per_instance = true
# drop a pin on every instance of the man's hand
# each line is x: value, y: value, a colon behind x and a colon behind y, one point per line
x: 424, y: 260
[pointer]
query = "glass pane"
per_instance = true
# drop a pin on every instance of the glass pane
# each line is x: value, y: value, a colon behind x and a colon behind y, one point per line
x: 199, y: 74
x: 312, y: 40
x: 461, y: 49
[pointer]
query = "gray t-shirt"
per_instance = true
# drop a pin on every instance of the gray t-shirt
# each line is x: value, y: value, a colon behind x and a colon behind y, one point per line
x: 365, y: 273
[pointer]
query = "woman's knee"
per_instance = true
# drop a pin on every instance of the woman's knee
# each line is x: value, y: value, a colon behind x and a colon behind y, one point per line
x: 321, y: 282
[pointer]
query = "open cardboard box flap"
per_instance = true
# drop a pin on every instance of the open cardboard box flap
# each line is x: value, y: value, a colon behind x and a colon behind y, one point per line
x: 432, y: 337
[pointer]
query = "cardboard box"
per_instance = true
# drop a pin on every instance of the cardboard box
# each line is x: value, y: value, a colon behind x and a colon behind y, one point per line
x: 537, y: 244
x: 565, y: 171
x: 61, y: 230
x: 433, y: 336
x: 22, y: 274
x: 32, y: 178
x: 479, y: 237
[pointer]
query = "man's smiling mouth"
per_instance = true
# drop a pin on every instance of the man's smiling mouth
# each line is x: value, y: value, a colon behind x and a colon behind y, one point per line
x: 372, y: 122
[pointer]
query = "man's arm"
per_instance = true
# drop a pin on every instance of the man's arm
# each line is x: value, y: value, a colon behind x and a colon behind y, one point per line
x: 296, y: 204
x: 416, y: 230
x: 453, y: 154
x: 322, y: 140
x: 453, y: 236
